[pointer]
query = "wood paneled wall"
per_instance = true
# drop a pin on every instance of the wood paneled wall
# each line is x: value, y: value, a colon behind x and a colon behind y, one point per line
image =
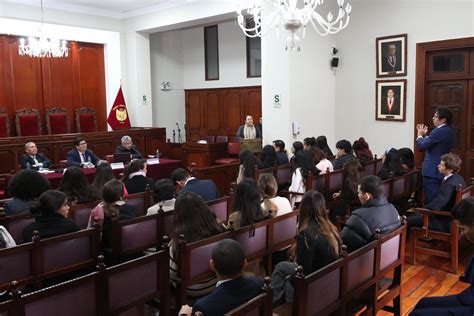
x: 220, y: 111
x: 43, y: 83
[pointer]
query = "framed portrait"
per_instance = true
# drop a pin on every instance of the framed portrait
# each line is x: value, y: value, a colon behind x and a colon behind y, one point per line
x: 391, y: 56
x: 390, y: 100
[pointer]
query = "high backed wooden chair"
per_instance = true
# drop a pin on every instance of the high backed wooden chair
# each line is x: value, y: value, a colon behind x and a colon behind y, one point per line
x: 4, y: 123
x: 57, y: 121
x: 222, y: 139
x: 260, y: 305
x: 233, y: 151
x: 452, y: 237
x: 27, y: 122
x: 86, y: 120
x: 142, y: 201
x: 210, y: 139
x: 80, y: 213
x: 221, y: 207
x: 16, y: 223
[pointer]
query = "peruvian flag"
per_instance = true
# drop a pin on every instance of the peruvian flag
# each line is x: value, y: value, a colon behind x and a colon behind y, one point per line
x: 118, y: 116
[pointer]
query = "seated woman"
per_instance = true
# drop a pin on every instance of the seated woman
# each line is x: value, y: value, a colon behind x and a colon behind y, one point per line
x: 76, y: 187
x: 351, y: 178
x: 199, y: 224
x: 103, y: 174
x: 163, y: 196
x: 268, y: 157
x: 247, y: 210
x: 317, y: 244
x: 26, y: 186
x: 112, y: 204
x: 302, y: 166
x: 361, y: 150
x: 296, y: 147
x: 321, y: 161
x: 270, y: 202
x: 392, y: 166
x: 137, y: 181
x: 322, y: 143
x: 248, y: 162
x: 407, y: 159
x: 51, y: 209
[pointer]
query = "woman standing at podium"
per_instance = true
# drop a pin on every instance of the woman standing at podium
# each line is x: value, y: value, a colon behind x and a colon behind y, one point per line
x: 248, y: 130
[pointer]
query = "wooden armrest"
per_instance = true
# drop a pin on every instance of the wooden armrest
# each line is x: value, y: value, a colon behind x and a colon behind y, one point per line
x: 431, y: 212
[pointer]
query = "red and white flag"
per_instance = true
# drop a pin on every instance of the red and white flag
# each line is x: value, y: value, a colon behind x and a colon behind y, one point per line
x: 118, y: 117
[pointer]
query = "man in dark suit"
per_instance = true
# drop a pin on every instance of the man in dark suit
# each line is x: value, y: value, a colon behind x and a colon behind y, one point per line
x: 32, y: 159
x: 80, y: 156
x: 390, y: 104
x: 127, y: 146
x: 232, y: 289
x: 444, y: 201
x: 282, y: 157
x: 462, y: 303
x: 344, y: 154
x: 390, y: 61
x: 206, y: 189
x: 439, y: 142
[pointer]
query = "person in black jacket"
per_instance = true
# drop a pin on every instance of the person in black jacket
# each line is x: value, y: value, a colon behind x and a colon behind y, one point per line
x: 127, y: 146
x: 32, y: 159
x: 268, y: 157
x: 137, y: 181
x: 392, y: 165
x: 232, y: 289
x: 52, y: 209
x: 344, y: 154
x: 375, y: 213
x: 282, y: 157
x: 317, y: 245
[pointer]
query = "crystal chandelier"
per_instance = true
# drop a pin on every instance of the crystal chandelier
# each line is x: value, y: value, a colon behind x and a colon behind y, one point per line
x: 42, y: 46
x: 293, y: 19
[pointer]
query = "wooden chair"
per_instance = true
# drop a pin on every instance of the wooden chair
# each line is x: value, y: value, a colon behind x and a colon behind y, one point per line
x: 16, y: 223
x: 221, y: 207
x: 166, y: 223
x: 27, y: 122
x: 86, y: 120
x: 80, y: 213
x: 210, y: 139
x: 260, y: 305
x: 142, y: 201
x: 370, y: 167
x: 259, y: 172
x: 4, y: 123
x: 57, y: 121
x: 283, y: 174
x: 233, y: 151
x: 222, y: 139
x: 452, y: 237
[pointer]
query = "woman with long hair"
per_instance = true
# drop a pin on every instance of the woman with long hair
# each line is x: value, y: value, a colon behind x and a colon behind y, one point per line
x: 392, y: 165
x: 295, y: 148
x: 51, y: 209
x: 248, y: 162
x: 322, y: 163
x: 270, y: 201
x: 361, y: 150
x: 302, y: 166
x: 76, y: 187
x: 351, y: 174
x: 268, y: 157
x: 103, y: 174
x: 407, y: 159
x: 322, y: 143
x: 317, y: 244
x: 194, y: 220
x: 247, y: 210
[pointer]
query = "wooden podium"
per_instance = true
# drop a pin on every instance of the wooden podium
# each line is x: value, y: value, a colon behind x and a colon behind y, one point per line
x: 203, y: 155
x: 254, y: 145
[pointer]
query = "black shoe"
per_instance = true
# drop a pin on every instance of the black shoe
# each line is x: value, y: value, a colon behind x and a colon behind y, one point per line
x: 463, y: 278
x: 429, y: 239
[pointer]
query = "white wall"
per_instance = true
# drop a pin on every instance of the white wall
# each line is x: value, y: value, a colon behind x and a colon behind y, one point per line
x: 355, y: 79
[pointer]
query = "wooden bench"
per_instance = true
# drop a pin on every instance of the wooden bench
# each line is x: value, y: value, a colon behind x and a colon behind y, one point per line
x: 260, y: 305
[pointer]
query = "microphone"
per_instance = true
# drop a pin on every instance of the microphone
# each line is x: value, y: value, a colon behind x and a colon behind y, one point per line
x: 174, y: 133
x: 178, y: 127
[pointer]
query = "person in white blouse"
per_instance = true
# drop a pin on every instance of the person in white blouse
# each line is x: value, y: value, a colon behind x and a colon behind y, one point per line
x: 302, y: 165
x: 270, y: 202
x: 322, y: 163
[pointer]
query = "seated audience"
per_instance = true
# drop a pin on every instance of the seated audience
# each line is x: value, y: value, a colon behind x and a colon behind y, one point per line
x: 462, y: 303
x: 322, y: 143
x: 163, y: 196
x: 376, y: 213
x: 302, y: 166
x: 317, y: 245
x: 392, y: 166
x: 268, y: 157
x: 282, y: 157
x: 309, y: 143
x: 206, y: 189
x: 128, y: 147
x: 407, y: 158
x: 112, y: 204
x: 322, y: 163
x: 361, y: 150
x: 344, y: 154
x: 449, y: 167
x: 270, y: 202
x: 233, y: 288
x: 296, y: 147
x: 248, y: 130
x: 6, y: 240
x: 103, y: 175
x: 195, y: 225
x: 32, y: 159
x: 80, y: 156
x: 351, y: 178
x: 76, y: 187
x: 51, y: 209
x: 25, y: 186
x: 137, y: 181
x: 247, y: 209
x: 248, y: 163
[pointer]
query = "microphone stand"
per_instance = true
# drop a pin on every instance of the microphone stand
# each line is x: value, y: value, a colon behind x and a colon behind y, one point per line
x: 180, y: 139
x: 174, y: 136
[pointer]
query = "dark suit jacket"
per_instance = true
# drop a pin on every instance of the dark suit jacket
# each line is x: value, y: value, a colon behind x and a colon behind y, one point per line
x: 387, y: 67
x: 133, y: 151
x: 17, y: 206
x: 50, y: 226
x: 138, y: 184
x: 24, y: 159
x: 439, y: 142
x: 240, y: 132
x: 447, y: 193
x: 395, y: 107
x: 228, y: 296
x: 207, y: 189
x: 282, y: 158
x: 339, y: 163
x: 73, y: 158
